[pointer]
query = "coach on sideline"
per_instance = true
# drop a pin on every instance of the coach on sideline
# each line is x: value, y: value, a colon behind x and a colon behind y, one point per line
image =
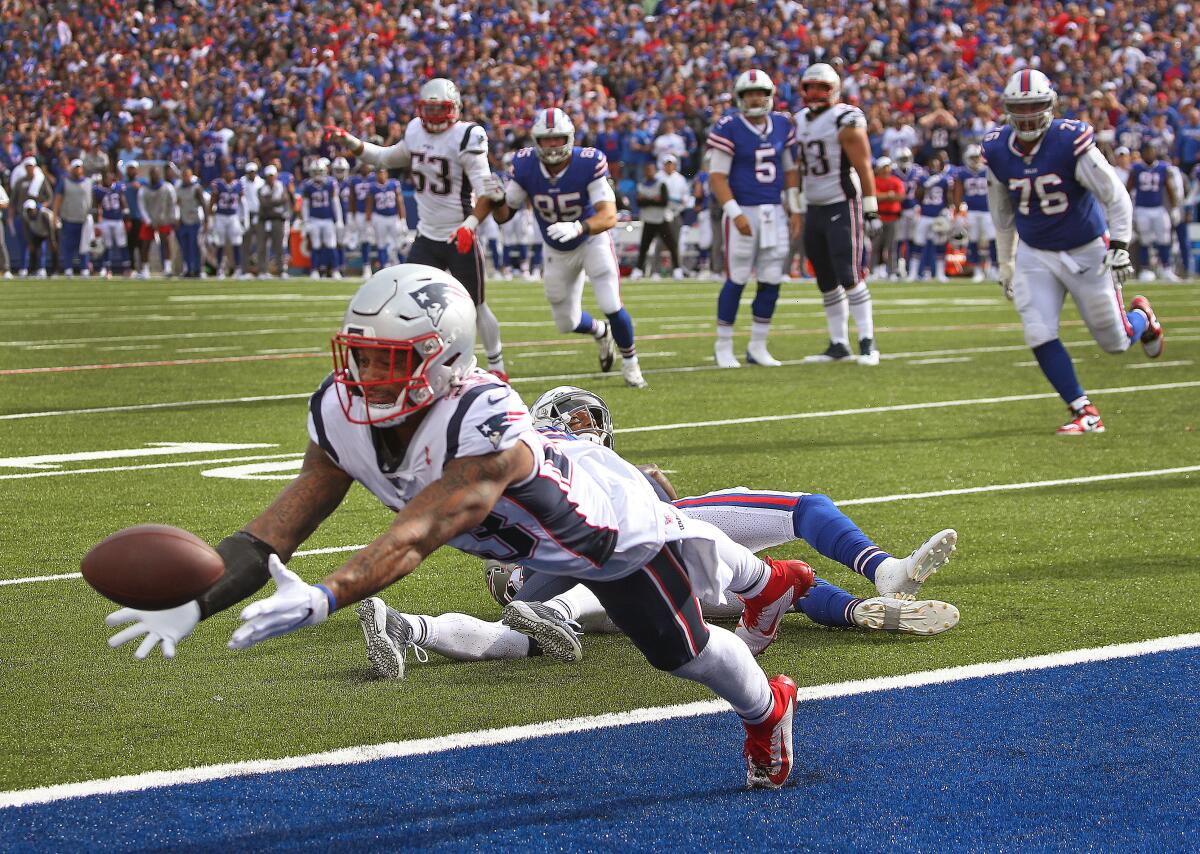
x: 73, y: 206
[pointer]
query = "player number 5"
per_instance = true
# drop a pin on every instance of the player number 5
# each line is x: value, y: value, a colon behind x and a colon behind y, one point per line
x: 1050, y: 201
x: 764, y: 165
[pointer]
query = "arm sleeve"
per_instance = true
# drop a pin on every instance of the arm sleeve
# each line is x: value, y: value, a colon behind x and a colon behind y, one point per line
x: 390, y: 157
x: 475, y: 166
x: 721, y: 161
x: 515, y: 195
x: 1095, y: 173
x: 599, y: 190
x: 1000, y: 206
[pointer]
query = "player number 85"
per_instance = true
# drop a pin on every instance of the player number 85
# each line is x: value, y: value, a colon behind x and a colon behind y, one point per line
x: 566, y: 207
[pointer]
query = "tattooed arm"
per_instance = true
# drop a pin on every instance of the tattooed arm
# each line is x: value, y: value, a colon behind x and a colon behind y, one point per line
x: 466, y: 492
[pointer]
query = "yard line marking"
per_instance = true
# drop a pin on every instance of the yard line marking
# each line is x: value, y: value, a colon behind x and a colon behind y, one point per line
x: 146, y: 467
x: 943, y: 360
x: 140, y: 407
x: 1176, y: 363
x: 506, y: 735
x: 159, y: 363
x: 167, y: 336
x: 1009, y: 487
x: 150, y: 449
x: 36, y: 578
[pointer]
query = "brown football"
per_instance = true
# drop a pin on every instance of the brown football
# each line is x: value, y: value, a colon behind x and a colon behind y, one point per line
x: 152, y: 567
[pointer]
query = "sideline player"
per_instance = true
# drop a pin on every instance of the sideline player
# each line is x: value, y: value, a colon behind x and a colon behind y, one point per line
x: 971, y: 201
x: 750, y: 163
x: 384, y: 217
x: 452, y: 451
x: 111, y: 211
x: 447, y: 160
x: 839, y: 197
x: 906, y: 231
x: 575, y: 207
x: 1049, y: 182
x: 1153, y: 198
x: 933, y: 226
x: 321, y: 212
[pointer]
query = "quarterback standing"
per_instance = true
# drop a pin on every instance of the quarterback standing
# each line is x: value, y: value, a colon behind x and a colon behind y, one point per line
x: 575, y: 208
x: 455, y: 189
x: 1049, y: 183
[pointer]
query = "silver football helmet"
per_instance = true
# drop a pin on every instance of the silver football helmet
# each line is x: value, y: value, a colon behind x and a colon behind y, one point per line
x: 821, y: 86
x: 504, y: 580
x: 903, y: 157
x: 575, y: 411
x: 439, y: 104
x: 319, y: 168
x: 1029, y: 100
x: 549, y: 124
x: 973, y: 157
x: 754, y: 81
x: 407, y: 338
x: 341, y: 168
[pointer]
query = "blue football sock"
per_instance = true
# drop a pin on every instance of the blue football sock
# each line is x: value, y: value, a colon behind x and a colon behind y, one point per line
x: 828, y: 605
x: 622, y: 329
x: 366, y: 255
x: 382, y: 254
x: 727, y: 302
x: 1143, y: 256
x: 1056, y: 365
x: 587, y: 324
x: 928, y: 258
x: 763, y: 307
x: 973, y: 253
x: 1137, y: 326
x: 818, y: 522
x: 1164, y: 255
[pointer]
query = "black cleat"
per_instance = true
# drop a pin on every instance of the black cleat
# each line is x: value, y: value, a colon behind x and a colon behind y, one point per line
x: 835, y: 352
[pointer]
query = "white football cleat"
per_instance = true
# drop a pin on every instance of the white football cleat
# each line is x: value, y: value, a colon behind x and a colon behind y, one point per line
x: 904, y: 576
x: 756, y: 354
x: 869, y: 354
x: 723, y: 353
x: 316, y: 274
x: 906, y: 616
x: 1146, y: 275
x: 632, y: 372
x: 558, y: 638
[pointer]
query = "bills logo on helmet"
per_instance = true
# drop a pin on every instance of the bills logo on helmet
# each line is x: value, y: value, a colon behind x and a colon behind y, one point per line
x: 495, y: 427
x: 433, y: 299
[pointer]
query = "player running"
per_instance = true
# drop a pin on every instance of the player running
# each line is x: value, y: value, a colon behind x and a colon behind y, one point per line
x: 1047, y: 180
x: 452, y: 451
x: 971, y: 202
x: 575, y: 208
x: 1153, y: 198
x: 448, y: 162
x: 750, y: 163
x: 839, y: 196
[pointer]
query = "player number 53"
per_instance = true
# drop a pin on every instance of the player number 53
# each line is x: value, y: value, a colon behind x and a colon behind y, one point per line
x: 1049, y: 200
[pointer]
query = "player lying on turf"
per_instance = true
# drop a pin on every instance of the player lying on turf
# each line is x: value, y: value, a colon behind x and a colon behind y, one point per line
x: 550, y: 609
x: 452, y: 450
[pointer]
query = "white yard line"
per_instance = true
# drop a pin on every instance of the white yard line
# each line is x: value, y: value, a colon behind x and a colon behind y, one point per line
x: 943, y: 360
x: 1176, y: 363
x: 507, y: 735
x: 146, y: 467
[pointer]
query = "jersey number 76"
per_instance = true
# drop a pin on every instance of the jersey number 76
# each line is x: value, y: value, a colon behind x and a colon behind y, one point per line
x: 1049, y: 200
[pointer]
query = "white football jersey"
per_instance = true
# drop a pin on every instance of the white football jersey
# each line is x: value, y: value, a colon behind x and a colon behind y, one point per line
x: 445, y: 168
x: 825, y: 169
x: 584, y: 511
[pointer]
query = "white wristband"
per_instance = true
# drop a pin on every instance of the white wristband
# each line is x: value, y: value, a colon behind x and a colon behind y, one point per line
x: 795, y: 200
x: 470, y: 223
x: 870, y: 204
x: 732, y: 209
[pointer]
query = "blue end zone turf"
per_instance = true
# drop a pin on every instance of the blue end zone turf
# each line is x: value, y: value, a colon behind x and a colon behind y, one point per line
x: 1099, y: 757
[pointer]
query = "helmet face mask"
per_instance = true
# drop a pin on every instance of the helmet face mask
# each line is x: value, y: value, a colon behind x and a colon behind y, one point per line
x: 576, y: 411
x: 550, y: 125
x: 820, y: 85
x: 439, y: 105
x: 903, y: 158
x: 744, y: 89
x: 1029, y: 101
x: 387, y: 375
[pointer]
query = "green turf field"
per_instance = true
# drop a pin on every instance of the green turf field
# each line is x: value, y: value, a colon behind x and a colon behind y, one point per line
x: 1049, y: 568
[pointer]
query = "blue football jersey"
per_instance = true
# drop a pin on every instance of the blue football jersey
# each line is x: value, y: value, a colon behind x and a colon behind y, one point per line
x: 320, y: 194
x: 937, y: 193
x: 974, y: 183
x: 112, y: 200
x: 360, y: 189
x: 228, y: 195
x: 210, y: 163
x: 1148, y: 182
x: 1053, y: 211
x: 563, y: 197
x: 756, y: 175
x: 912, y: 179
x: 385, y: 197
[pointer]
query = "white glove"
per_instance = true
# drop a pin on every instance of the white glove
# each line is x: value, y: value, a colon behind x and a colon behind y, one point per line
x: 1006, y: 278
x: 1117, y: 262
x: 167, y: 627
x: 1176, y: 216
x: 564, y: 231
x: 293, y: 605
x: 492, y: 188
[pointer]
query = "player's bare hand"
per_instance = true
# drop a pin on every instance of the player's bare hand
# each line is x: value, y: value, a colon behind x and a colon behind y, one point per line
x: 742, y: 224
x: 795, y: 225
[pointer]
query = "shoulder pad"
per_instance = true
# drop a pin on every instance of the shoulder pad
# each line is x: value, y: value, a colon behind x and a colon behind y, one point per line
x: 488, y: 417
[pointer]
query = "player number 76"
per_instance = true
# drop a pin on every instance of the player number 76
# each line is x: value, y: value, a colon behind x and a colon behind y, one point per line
x: 1050, y: 201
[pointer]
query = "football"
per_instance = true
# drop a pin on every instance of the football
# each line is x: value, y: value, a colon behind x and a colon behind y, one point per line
x: 152, y: 567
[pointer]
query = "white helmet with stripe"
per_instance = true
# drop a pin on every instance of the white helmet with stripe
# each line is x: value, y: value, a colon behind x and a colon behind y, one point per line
x: 972, y: 156
x: 340, y: 167
x: 821, y: 86
x: 754, y: 81
x: 1029, y: 100
x: 550, y: 124
x: 439, y: 104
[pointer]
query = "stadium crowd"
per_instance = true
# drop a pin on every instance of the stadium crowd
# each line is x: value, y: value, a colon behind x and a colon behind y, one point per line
x: 194, y: 83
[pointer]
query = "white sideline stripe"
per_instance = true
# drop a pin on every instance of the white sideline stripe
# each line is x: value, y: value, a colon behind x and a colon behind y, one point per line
x: 1174, y: 364
x: 849, y: 502
x: 507, y: 735
x: 147, y: 466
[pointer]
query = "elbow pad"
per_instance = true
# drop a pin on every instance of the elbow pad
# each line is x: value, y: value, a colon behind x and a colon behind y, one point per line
x: 245, y: 557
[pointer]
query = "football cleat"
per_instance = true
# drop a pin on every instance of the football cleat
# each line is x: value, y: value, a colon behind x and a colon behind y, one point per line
x: 869, y: 355
x: 558, y: 637
x: 835, y: 352
x: 632, y: 372
x: 498, y: 374
x: 759, y: 626
x: 906, y: 616
x: 903, y: 577
x: 1153, y: 338
x: 606, y: 345
x: 756, y: 354
x: 723, y: 353
x: 389, y: 637
x: 1084, y: 420
x: 768, y: 748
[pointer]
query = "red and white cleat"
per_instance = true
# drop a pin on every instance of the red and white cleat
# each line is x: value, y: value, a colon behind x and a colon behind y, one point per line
x: 768, y: 749
x: 790, y: 580
x: 499, y: 374
x: 1085, y: 420
x: 1153, y: 339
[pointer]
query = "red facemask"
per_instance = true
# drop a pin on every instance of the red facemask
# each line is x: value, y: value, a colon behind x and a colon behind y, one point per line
x: 437, y: 115
x: 405, y: 372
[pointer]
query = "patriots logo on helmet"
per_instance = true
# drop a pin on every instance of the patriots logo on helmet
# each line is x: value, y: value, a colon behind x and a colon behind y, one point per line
x: 495, y: 427
x: 432, y: 298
